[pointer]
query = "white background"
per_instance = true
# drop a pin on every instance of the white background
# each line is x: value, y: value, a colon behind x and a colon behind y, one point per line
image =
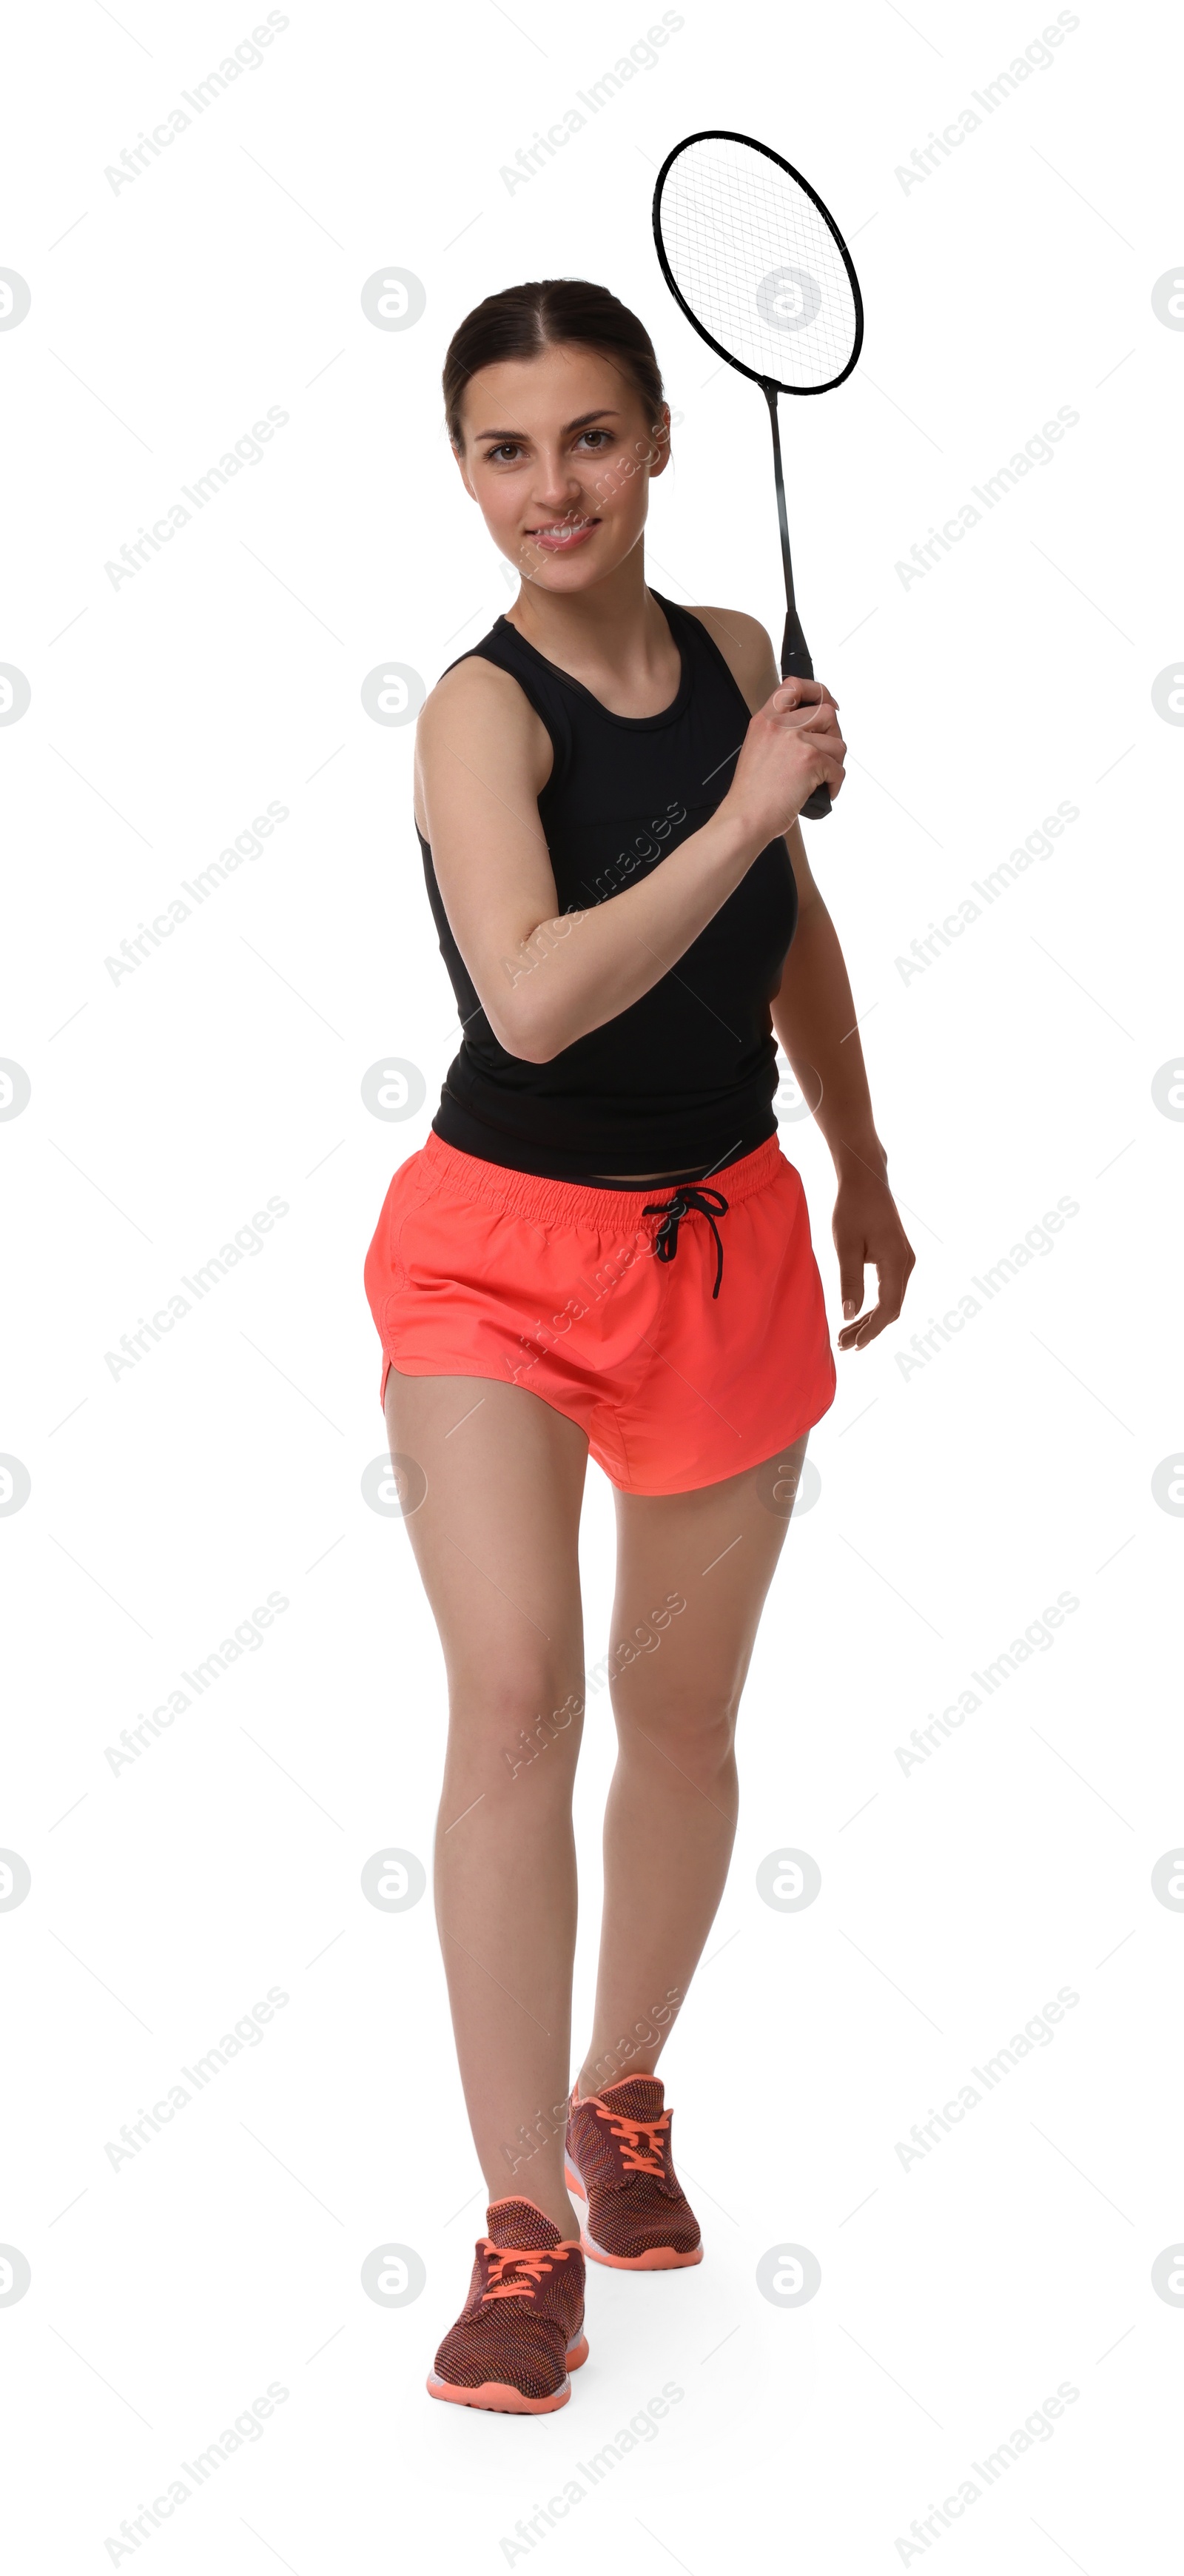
x: 957, y: 1501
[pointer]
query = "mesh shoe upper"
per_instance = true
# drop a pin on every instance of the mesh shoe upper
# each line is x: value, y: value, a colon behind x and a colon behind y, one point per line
x: 525, y: 2306
x: 619, y: 2143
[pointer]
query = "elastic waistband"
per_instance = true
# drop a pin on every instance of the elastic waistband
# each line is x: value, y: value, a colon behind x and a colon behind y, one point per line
x: 571, y: 1203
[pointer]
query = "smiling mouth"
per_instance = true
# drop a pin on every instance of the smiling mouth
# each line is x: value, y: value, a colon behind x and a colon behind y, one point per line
x: 567, y: 532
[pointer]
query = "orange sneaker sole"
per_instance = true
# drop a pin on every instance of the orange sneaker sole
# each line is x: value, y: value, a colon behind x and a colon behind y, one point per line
x: 657, y: 2258
x: 499, y: 2398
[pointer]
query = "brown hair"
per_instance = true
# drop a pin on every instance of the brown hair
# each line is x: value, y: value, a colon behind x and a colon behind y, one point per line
x: 521, y: 321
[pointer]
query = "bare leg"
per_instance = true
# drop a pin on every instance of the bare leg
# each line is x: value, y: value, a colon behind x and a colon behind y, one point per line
x: 495, y: 1541
x: 670, y: 1818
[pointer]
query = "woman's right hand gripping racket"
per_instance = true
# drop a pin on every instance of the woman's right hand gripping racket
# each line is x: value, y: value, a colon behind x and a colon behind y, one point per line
x: 764, y: 275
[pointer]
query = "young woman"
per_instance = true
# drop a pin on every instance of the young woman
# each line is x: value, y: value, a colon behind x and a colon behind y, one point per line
x: 601, y: 1246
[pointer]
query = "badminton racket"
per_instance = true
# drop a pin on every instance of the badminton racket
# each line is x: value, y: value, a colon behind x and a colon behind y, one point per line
x: 763, y: 274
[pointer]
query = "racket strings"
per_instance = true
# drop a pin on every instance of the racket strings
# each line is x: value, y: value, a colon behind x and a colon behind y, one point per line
x: 758, y: 264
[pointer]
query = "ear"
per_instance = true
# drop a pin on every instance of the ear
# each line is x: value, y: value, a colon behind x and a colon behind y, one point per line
x: 660, y: 443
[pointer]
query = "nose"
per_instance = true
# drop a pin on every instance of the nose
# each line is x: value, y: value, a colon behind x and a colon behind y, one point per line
x: 558, y: 486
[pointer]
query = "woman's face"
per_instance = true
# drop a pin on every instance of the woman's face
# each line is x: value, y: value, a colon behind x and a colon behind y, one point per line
x: 558, y: 454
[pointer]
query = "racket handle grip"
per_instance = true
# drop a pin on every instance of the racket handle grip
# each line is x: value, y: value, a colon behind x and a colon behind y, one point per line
x: 797, y: 665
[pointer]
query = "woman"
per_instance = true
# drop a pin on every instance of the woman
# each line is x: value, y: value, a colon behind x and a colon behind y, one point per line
x: 601, y: 1246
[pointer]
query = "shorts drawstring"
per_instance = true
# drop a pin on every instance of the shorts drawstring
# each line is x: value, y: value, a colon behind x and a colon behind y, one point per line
x: 684, y: 1199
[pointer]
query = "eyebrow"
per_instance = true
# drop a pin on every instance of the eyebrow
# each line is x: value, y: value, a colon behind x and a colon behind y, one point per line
x: 586, y: 417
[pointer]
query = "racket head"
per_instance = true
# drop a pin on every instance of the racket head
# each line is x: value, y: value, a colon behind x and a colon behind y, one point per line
x: 757, y: 262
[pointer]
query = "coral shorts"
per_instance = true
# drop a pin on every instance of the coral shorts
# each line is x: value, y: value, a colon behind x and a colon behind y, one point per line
x: 681, y: 1326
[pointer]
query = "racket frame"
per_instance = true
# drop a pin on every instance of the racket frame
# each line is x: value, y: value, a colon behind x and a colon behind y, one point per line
x: 795, y: 653
x: 724, y: 134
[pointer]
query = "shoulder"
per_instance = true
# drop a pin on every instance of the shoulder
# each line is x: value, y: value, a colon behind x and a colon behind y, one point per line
x: 746, y: 648
x: 479, y: 698
x: 467, y: 688
x: 478, y: 715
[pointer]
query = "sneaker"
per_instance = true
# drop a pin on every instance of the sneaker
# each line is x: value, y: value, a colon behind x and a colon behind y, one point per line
x: 618, y: 2160
x: 521, y: 2329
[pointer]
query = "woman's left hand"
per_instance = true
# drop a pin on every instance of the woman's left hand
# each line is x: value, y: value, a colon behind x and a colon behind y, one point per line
x: 867, y: 1231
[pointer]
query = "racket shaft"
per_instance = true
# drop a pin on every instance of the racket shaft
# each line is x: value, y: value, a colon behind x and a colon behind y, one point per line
x: 795, y: 652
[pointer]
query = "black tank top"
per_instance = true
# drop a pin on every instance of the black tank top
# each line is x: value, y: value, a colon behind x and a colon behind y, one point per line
x: 684, y: 1078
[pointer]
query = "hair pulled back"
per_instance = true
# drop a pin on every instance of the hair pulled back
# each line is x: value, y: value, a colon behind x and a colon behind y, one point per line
x: 522, y: 321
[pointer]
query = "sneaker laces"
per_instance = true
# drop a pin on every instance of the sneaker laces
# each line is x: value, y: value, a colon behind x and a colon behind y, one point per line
x: 634, y: 2158
x: 533, y: 2261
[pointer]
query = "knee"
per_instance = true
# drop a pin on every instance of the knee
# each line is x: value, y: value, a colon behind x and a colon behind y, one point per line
x: 694, y: 1728
x: 517, y: 1710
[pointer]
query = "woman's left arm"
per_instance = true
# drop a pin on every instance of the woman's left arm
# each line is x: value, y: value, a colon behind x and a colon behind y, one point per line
x: 814, y: 1018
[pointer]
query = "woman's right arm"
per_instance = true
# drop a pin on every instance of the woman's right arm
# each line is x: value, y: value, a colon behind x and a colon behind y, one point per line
x: 546, y: 978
